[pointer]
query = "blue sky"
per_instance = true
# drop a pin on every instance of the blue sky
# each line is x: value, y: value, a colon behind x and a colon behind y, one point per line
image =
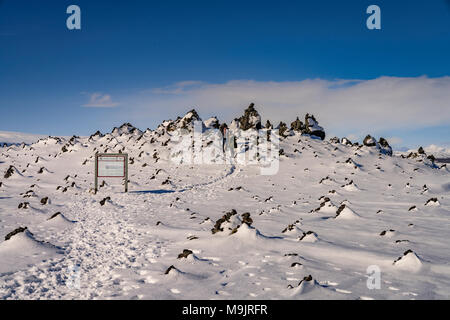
x: 61, y: 82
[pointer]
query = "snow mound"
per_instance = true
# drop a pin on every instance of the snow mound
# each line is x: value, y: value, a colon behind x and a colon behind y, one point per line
x: 12, y: 172
x: 307, y: 285
x: 409, y: 261
x: 309, y: 236
x: 433, y: 202
x: 58, y: 220
x: 188, y: 255
x: 20, y: 241
x: 345, y: 213
x: 326, y: 206
x: 292, y: 229
x: 388, y: 233
x: 172, y: 271
x: 351, y: 186
x: 22, y: 248
x: 246, y: 232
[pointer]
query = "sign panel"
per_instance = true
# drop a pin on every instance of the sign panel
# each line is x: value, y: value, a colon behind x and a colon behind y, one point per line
x: 111, y: 167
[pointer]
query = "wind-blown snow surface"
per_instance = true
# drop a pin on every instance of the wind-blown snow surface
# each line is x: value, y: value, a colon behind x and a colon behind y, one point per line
x: 121, y: 250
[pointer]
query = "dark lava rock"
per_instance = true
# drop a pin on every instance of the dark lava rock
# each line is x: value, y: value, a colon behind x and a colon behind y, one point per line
x: 288, y: 228
x: 24, y: 205
x: 307, y: 279
x: 103, y: 202
x: 312, y: 127
x: 185, y: 254
x: 385, y: 147
x: 54, y: 215
x: 404, y: 254
x: 431, y: 200
x: 172, y: 267
x: 225, y: 218
x: 9, y: 172
x: 369, y: 141
x: 246, y: 218
x: 335, y: 140
x: 297, y: 125
x: 13, y: 233
x: 383, y: 233
x: 339, y: 210
x: 44, y: 201
x: 251, y: 119
x: 305, y: 234
x: 282, y: 129
x: 346, y: 141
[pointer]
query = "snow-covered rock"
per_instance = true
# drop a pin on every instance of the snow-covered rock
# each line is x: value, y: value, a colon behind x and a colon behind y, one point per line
x: 251, y: 119
x: 312, y: 127
x: 370, y: 141
x: 345, y: 213
x: 409, y: 261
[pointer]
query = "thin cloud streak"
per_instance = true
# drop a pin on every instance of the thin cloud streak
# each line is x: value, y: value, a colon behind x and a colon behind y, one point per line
x: 100, y: 100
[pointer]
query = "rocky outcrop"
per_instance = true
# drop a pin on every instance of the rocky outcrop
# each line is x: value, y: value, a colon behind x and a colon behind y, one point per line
x: 335, y: 140
x: 187, y: 121
x: 16, y: 231
x: 11, y: 170
x: 382, y: 145
x: 185, y: 254
x: 212, y: 123
x: 283, y: 130
x: 251, y: 119
x: 312, y: 127
x: 225, y: 218
x: 126, y: 128
x: 346, y: 141
x: 385, y: 147
x: 370, y: 141
x: 297, y: 126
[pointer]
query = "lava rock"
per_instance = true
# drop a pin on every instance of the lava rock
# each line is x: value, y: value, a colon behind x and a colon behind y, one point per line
x: 312, y: 127
x: 369, y: 141
x: 103, y: 202
x: 185, y: 254
x: 16, y: 231
x: 251, y: 119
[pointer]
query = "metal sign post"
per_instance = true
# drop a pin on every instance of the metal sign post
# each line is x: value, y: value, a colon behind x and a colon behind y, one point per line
x: 111, y: 165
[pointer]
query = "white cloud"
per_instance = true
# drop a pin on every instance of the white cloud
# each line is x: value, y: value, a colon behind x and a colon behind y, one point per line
x: 438, y: 151
x: 395, y: 141
x: 19, y: 137
x: 349, y: 106
x: 99, y: 100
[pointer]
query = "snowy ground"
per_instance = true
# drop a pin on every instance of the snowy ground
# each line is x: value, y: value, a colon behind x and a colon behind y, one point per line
x: 121, y: 250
